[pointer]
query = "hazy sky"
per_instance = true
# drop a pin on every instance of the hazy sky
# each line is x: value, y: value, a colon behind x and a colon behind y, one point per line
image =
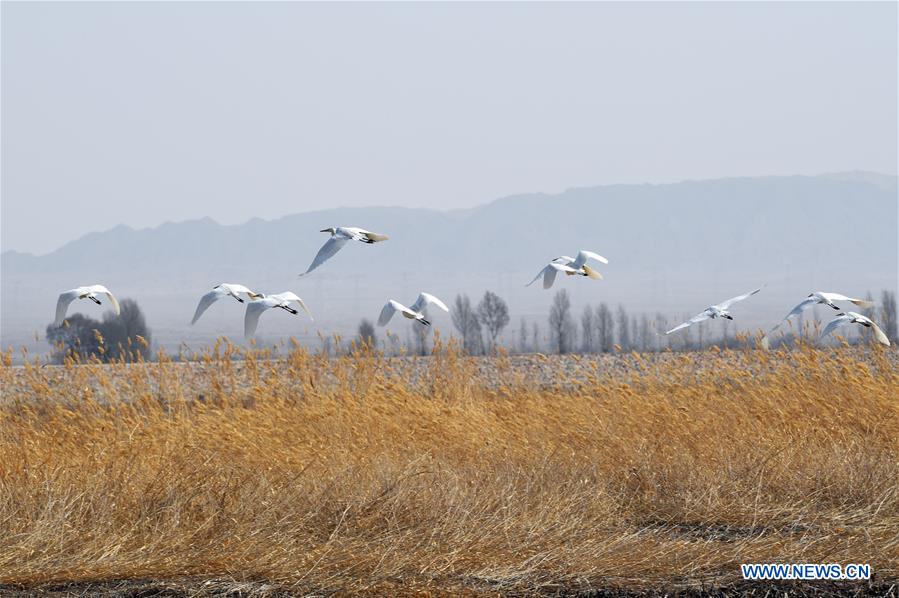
x: 139, y: 113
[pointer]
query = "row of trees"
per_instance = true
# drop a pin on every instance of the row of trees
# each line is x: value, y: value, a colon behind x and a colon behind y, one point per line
x: 478, y: 327
x: 599, y: 329
x: 603, y: 329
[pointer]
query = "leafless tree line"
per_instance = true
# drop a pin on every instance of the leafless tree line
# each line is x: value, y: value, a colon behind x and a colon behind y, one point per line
x: 598, y: 329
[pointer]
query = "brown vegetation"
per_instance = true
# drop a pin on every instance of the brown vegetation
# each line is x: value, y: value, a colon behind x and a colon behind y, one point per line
x: 349, y: 474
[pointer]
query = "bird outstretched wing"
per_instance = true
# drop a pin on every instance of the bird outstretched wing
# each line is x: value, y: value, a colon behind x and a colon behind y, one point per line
x: 390, y: 308
x: 205, y: 301
x: 866, y: 321
x: 732, y: 300
x: 251, y: 316
x: 840, y: 320
x: 697, y: 318
x: 62, y: 305
x: 549, y: 274
x: 801, y: 307
x: 327, y: 251
x: 303, y: 306
x: 539, y: 274
x: 426, y: 299
x: 583, y: 255
x: 879, y: 335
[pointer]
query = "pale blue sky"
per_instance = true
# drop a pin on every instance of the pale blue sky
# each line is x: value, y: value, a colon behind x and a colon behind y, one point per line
x: 140, y: 113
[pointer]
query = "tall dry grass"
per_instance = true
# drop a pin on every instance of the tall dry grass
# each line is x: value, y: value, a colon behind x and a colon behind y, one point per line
x: 358, y: 474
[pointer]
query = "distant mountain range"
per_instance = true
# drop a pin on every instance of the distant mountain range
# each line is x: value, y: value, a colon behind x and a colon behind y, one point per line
x: 673, y: 248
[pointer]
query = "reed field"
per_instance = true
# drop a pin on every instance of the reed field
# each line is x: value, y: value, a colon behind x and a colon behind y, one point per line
x: 266, y: 474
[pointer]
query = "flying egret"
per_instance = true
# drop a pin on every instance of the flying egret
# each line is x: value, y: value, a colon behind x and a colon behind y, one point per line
x: 816, y: 298
x: 570, y: 266
x: 851, y: 317
x: 88, y: 292
x: 339, y: 237
x: 226, y: 289
x: 255, y: 309
x: 418, y: 310
x: 715, y: 311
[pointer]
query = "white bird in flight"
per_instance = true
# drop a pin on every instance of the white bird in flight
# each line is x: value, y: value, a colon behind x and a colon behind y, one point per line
x: 816, y: 298
x: 570, y: 266
x: 88, y: 292
x: 339, y: 237
x: 851, y: 317
x: 715, y: 311
x: 255, y: 309
x: 418, y: 310
x: 226, y: 289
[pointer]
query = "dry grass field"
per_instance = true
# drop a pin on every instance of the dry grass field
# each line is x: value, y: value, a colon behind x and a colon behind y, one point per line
x: 301, y: 474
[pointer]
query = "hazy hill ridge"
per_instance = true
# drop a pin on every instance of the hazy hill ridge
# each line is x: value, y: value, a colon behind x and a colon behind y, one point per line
x: 671, y: 247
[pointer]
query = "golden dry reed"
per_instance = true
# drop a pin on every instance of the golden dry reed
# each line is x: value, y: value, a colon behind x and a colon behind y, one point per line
x: 450, y: 474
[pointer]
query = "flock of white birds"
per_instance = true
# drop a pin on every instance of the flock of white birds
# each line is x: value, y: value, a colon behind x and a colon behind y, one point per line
x: 257, y: 303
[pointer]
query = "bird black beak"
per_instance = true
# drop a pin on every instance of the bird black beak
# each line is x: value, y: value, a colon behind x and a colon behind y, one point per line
x: 239, y: 299
x: 95, y: 300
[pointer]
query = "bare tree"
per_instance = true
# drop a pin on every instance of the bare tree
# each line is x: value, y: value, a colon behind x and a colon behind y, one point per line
x: 465, y: 320
x: 868, y: 312
x: 561, y: 326
x: 535, y: 332
x: 420, y: 335
x: 661, y: 325
x: 605, y: 329
x: 635, y: 334
x: 889, y: 316
x: 725, y: 328
x: 367, y: 334
x: 523, y: 337
x: 686, y: 335
x: 493, y: 313
x: 588, y: 330
x: 327, y: 344
x: 395, y: 346
x: 645, y: 334
x: 624, y: 329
